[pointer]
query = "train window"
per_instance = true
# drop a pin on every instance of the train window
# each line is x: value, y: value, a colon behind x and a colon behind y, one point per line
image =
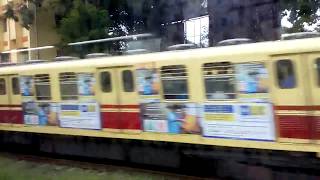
x: 105, y: 81
x: 68, y: 86
x: 127, y: 80
x: 219, y: 80
x: 174, y: 82
x: 2, y: 86
x: 42, y: 86
x: 318, y: 70
x: 15, y: 86
x: 285, y: 74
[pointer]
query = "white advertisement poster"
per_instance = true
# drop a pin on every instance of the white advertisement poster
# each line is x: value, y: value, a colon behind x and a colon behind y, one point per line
x: 80, y: 115
x: 249, y: 121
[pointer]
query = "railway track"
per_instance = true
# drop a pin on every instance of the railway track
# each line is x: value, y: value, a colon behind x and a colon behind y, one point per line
x: 101, y: 168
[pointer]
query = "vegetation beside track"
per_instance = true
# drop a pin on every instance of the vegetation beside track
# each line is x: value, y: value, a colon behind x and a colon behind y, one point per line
x: 17, y: 169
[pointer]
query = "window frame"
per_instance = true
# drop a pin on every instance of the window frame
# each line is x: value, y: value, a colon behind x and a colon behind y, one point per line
x: 5, y: 87
x: 5, y: 25
x: 317, y: 71
x: 102, y: 87
x: 15, y: 91
x: 228, y: 76
x: 293, y: 69
x: 182, y: 74
x: 67, y: 80
x: 124, y: 86
x: 42, y: 82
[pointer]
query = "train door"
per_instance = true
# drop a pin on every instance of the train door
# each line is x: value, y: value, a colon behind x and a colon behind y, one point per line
x: 118, y: 99
x: 16, y: 115
x: 313, y: 68
x: 10, y: 100
x: 4, y: 100
x: 290, y: 94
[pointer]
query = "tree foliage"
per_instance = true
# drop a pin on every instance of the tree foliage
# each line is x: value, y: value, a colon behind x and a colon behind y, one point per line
x: 22, y: 12
x: 300, y: 13
x: 84, y: 22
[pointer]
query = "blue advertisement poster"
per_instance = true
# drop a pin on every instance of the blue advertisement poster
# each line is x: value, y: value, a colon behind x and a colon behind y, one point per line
x: 174, y: 118
x: 182, y: 118
x: 26, y: 86
x: 86, y: 83
x: 40, y: 113
x: 148, y: 81
x: 252, y: 82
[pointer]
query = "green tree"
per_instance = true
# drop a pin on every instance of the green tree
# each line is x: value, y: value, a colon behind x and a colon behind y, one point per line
x: 84, y: 22
x: 79, y: 19
x: 300, y: 12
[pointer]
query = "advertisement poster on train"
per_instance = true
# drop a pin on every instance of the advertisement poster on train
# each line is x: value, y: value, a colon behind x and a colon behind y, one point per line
x: 86, y: 83
x: 252, y: 82
x: 26, y: 86
x: 250, y: 121
x: 79, y: 115
x: 148, y: 82
x: 153, y: 117
x: 40, y: 113
x: 182, y: 118
x: 172, y: 118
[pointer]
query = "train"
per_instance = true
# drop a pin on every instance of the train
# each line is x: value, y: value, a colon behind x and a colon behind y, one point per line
x: 258, y: 96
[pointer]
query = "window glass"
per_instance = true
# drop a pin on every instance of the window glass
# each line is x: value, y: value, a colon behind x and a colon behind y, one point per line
x: 317, y: 65
x: 2, y: 86
x: 127, y: 80
x: 105, y: 81
x: 174, y: 82
x: 285, y: 74
x: 4, y: 57
x: 68, y: 86
x: 4, y: 25
x: 219, y: 80
x: 42, y: 86
x: 15, y: 86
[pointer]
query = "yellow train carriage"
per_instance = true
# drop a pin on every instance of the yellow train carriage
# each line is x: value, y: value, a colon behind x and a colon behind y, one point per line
x: 240, y: 95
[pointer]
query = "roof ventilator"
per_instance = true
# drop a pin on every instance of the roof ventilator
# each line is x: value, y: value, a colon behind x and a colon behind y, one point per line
x: 65, y: 58
x: 236, y: 41
x: 97, y: 55
x: 182, y: 47
x: 300, y: 35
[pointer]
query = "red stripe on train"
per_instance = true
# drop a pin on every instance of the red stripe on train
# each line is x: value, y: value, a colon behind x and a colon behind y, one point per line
x: 292, y: 126
x: 299, y: 127
x: 298, y: 108
x: 120, y: 106
x: 121, y: 120
x: 10, y: 105
x: 10, y: 116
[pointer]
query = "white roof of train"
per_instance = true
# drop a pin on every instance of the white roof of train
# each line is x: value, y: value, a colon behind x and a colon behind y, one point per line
x: 267, y: 48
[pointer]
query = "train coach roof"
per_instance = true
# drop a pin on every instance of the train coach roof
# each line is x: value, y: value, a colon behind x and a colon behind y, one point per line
x: 263, y: 48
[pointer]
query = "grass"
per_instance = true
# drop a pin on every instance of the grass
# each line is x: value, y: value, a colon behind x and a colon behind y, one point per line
x: 12, y: 169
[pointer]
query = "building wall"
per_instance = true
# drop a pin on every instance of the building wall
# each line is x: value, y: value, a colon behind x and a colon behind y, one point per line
x: 255, y: 19
x: 42, y: 33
